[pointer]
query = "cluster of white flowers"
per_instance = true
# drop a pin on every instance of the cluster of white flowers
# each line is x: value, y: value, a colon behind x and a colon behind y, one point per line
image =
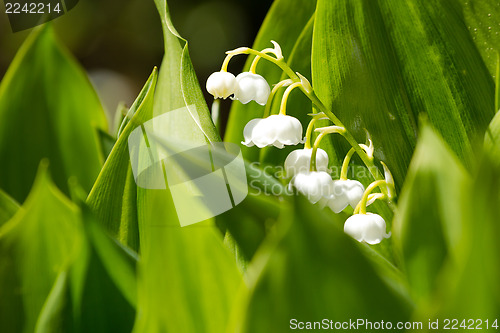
x: 310, y: 179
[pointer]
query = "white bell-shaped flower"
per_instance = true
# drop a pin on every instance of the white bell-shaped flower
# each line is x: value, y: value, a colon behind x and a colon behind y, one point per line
x: 315, y: 185
x: 369, y: 228
x: 275, y: 130
x: 345, y: 192
x: 299, y: 161
x: 221, y: 84
x: 251, y: 87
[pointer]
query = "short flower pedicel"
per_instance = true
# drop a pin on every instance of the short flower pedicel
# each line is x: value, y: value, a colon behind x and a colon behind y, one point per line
x: 316, y: 185
x: 299, y: 160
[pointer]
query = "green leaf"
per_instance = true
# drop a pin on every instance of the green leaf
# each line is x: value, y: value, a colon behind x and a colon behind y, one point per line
x: 36, y: 245
x: 107, y: 142
x: 497, y: 84
x: 48, y: 109
x: 178, y: 87
x: 429, y: 224
x: 55, y: 315
x: 380, y: 64
x: 98, y: 292
x: 59, y: 274
x: 8, y: 207
x: 284, y: 23
x: 310, y: 270
x: 187, y: 278
x: 245, y: 226
x: 102, y: 282
x: 492, y: 137
x: 113, y: 198
x: 483, y: 21
x: 470, y: 289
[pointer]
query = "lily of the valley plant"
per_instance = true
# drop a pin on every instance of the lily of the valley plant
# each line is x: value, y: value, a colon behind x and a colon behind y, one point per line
x: 307, y: 168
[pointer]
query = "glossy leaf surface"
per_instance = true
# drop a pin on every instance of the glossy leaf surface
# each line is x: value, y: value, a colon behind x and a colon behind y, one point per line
x: 114, y: 195
x: 429, y: 226
x: 48, y: 109
x: 310, y: 270
x: 187, y: 278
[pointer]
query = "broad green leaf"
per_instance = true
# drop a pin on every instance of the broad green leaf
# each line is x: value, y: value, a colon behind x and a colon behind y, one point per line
x: 497, y: 84
x: 59, y: 274
x: 56, y: 315
x: 178, y: 87
x: 48, y: 109
x: 310, y: 270
x: 102, y: 282
x: 8, y: 207
x: 483, y: 21
x: 284, y: 23
x: 471, y: 290
x: 429, y: 224
x: 113, y: 197
x: 492, y: 137
x: 187, y: 278
x: 36, y: 245
x: 98, y: 292
x: 245, y: 226
x: 380, y: 64
x: 107, y: 142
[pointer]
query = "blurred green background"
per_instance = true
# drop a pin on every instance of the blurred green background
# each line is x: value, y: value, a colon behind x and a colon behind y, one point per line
x: 119, y: 42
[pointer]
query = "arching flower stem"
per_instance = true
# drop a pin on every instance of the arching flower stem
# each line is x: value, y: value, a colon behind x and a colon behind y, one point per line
x: 277, y: 86
x: 361, y: 207
x: 345, y: 164
x: 310, y: 128
x: 281, y: 63
x: 253, y: 66
x: 285, y: 96
x: 347, y: 159
x: 225, y: 63
x: 323, y: 132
